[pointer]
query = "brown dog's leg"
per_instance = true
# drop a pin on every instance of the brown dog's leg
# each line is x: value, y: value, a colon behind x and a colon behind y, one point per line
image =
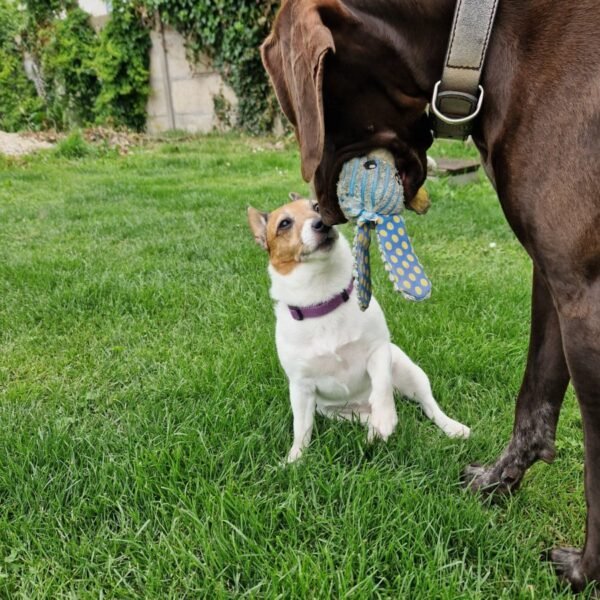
x: 538, y: 404
x: 581, y: 332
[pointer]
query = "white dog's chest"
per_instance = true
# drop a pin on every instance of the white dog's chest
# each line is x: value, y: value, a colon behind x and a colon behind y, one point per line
x: 337, y: 369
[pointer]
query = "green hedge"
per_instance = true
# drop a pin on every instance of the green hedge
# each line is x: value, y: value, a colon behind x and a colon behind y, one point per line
x: 122, y: 64
x: 90, y: 78
x: 20, y: 106
x: 86, y: 78
x: 67, y: 50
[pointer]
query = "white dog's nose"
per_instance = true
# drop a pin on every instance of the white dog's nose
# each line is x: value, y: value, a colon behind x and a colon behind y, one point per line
x: 319, y: 226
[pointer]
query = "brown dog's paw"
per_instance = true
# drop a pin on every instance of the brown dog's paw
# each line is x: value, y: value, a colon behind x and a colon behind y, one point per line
x: 493, y: 481
x: 421, y: 202
x: 568, y: 567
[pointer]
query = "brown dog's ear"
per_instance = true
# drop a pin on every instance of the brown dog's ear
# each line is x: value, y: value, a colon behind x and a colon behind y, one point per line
x: 258, y: 225
x: 294, y: 55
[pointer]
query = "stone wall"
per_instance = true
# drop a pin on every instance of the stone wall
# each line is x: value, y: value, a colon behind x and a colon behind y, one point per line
x: 182, y: 95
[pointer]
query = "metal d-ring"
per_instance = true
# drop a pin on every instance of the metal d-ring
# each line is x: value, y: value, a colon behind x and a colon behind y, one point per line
x: 459, y: 120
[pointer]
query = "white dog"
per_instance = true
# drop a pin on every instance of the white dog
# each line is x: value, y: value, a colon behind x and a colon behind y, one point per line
x: 339, y: 360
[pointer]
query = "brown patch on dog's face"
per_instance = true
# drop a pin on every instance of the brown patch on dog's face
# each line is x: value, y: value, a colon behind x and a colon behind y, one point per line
x: 280, y: 233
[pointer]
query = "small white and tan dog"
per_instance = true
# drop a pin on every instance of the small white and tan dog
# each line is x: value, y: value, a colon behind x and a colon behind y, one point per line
x: 339, y: 361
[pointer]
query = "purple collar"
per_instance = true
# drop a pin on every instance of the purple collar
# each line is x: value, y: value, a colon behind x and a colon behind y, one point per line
x: 323, y: 308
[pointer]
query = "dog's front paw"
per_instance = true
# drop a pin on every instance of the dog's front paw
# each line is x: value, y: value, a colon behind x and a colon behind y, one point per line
x: 382, y: 423
x: 495, y: 480
x: 454, y: 429
x: 294, y: 454
x: 568, y: 567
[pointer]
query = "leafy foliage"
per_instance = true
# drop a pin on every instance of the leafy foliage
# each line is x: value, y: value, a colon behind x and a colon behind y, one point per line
x: 230, y: 33
x: 68, y: 49
x: 123, y: 64
x: 85, y: 78
x: 20, y: 106
x: 41, y: 13
x: 104, y: 78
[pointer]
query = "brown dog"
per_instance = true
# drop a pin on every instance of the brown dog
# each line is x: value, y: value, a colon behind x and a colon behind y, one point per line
x: 352, y: 75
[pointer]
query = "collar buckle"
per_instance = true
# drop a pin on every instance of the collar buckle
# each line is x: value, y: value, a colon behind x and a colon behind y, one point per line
x: 456, y: 110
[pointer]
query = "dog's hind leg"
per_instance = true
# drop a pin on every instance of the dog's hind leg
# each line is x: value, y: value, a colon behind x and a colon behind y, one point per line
x: 538, y: 404
x: 411, y: 381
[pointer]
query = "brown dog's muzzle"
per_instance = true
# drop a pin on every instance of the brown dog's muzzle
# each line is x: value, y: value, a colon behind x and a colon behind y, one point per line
x: 411, y: 167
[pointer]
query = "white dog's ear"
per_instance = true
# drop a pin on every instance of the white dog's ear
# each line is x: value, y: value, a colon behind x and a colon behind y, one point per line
x: 293, y: 196
x: 258, y: 225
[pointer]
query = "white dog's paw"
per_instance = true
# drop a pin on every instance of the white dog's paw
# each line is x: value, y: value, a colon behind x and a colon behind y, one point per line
x: 294, y: 454
x: 382, y: 423
x: 454, y: 429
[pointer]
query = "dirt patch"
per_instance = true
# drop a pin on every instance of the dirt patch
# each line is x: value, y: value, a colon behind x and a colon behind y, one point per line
x: 19, y: 144
x: 16, y: 144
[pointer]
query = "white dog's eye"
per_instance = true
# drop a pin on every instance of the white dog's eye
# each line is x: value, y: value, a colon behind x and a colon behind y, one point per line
x: 316, y: 207
x: 370, y: 165
x: 284, y: 224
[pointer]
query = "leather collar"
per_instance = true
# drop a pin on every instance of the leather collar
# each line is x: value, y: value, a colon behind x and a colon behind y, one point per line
x: 458, y: 95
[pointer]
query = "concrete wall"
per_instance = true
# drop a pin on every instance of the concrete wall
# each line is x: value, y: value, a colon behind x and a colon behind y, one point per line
x: 99, y: 12
x: 96, y: 8
x: 182, y: 95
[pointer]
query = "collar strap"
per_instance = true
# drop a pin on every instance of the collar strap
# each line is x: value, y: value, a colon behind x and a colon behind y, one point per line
x: 458, y: 96
x: 323, y: 308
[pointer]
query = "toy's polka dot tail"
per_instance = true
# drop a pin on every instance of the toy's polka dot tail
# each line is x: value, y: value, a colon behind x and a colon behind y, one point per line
x: 370, y: 194
x: 400, y: 261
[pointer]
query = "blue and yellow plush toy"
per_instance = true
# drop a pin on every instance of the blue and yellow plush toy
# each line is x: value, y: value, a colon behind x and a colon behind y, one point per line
x: 370, y: 193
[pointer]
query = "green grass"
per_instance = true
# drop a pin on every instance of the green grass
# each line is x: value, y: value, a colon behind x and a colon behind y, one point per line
x: 144, y: 414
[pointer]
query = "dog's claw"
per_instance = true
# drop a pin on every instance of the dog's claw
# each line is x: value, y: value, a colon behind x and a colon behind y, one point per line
x: 492, y: 481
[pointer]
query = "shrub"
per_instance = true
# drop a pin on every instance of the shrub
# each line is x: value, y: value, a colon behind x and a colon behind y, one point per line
x: 123, y: 67
x: 105, y: 79
x: 68, y: 48
x: 20, y: 106
x: 73, y: 146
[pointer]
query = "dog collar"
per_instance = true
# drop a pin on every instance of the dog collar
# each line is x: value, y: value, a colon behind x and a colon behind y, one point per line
x: 458, y: 95
x: 323, y: 308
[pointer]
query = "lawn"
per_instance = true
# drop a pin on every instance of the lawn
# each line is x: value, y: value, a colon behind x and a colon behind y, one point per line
x: 145, y: 416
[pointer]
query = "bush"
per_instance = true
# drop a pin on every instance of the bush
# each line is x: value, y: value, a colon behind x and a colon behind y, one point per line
x: 41, y: 13
x: 68, y: 49
x: 73, y: 146
x: 105, y: 79
x: 20, y: 106
x: 123, y: 67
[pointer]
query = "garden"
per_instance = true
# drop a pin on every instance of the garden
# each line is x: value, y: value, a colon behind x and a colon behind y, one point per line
x: 145, y: 416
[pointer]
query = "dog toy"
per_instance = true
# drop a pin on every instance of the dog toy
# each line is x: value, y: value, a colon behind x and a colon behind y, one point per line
x: 371, y: 195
